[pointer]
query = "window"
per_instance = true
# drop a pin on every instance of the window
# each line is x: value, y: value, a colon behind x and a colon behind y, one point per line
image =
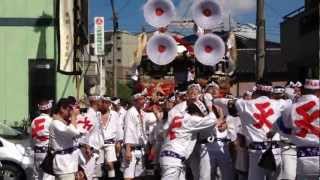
x: 118, y: 37
x: 91, y: 50
x: 109, y: 61
x: 119, y: 61
x: 119, y: 48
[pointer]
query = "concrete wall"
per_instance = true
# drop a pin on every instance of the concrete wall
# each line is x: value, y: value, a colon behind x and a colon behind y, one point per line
x: 18, y: 44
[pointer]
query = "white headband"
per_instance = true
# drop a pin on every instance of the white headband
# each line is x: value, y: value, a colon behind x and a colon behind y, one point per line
x: 212, y: 84
x: 116, y: 102
x: 105, y: 98
x: 312, y: 84
x: 293, y: 85
x: 264, y: 88
x: 278, y: 90
x: 94, y: 98
x: 197, y: 86
x: 45, y: 107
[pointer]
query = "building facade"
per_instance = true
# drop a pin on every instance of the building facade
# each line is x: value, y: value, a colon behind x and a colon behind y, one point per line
x: 300, y: 39
x: 28, y: 59
x: 125, y: 46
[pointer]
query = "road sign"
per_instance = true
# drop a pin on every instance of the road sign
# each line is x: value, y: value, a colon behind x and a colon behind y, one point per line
x: 99, y: 36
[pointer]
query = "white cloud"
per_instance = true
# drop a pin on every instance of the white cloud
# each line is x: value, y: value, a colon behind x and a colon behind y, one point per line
x: 234, y: 7
x: 239, y: 6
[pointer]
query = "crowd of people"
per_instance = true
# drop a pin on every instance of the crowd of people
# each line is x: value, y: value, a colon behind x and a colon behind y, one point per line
x: 202, y: 133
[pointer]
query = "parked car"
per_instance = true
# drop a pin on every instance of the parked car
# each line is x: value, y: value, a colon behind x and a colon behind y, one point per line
x: 16, y: 160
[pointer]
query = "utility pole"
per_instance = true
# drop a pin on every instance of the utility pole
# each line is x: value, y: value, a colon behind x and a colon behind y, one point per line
x: 114, y: 39
x: 261, y: 37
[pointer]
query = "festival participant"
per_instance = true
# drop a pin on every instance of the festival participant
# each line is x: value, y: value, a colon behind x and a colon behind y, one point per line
x: 192, y: 95
x: 200, y: 158
x: 135, y: 140
x: 109, y: 128
x: 297, y: 86
x: 152, y: 116
x: 63, y: 131
x: 93, y: 110
x: 301, y: 124
x: 219, y: 152
x: 40, y: 138
x: 214, y: 152
x: 117, y: 107
x: 288, y: 149
x: 181, y: 139
x: 87, y: 159
x: 258, y: 117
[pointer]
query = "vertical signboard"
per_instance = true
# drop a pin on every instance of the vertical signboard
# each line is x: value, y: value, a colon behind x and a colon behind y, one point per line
x: 66, y: 36
x: 99, y: 36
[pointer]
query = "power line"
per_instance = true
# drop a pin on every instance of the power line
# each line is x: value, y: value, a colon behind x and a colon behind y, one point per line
x: 273, y: 9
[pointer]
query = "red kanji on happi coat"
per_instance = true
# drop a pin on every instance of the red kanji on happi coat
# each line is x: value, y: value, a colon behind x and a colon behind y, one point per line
x: 38, y: 127
x: 305, y: 123
x: 87, y: 125
x: 262, y: 117
x: 176, y: 123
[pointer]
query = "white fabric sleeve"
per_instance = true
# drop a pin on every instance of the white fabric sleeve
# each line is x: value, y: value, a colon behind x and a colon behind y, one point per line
x: 130, y: 129
x: 222, y: 103
x: 208, y: 99
x: 118, y: 128
x: 240, y: 103
x: 171, y: 115
x: 196, y: 123
x: 69, y: 130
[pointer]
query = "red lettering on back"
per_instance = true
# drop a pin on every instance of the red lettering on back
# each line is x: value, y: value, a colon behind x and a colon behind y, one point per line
x: 305, y: 123
x: 38, y: 126
x: 176, y: 123
x: 262, y: 117
x: 86, y: 124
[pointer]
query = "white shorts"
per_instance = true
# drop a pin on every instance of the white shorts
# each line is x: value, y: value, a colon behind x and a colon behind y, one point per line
x: 308, y: 166
x: 110, y: 153
x: 134, y: 168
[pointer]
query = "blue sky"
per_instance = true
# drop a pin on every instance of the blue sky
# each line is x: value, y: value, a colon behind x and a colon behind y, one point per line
x: 131, y: 15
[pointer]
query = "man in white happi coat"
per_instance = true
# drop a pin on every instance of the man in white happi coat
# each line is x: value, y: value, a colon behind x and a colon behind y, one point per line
x: 94, y: 115
x: 288, y: 149
x: 63, y: 131
x: 181, y: 139
x: 218, y: 148
x: 200, y: 159
x: 87, y: 158
x: 120, y: 127
x: 258, y: 117
x: 192, y: 95
x: 109, y: 128
x: 302, y: 127
x: 135, y: 139
x: 93, y: 111
x: 40, y: 138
